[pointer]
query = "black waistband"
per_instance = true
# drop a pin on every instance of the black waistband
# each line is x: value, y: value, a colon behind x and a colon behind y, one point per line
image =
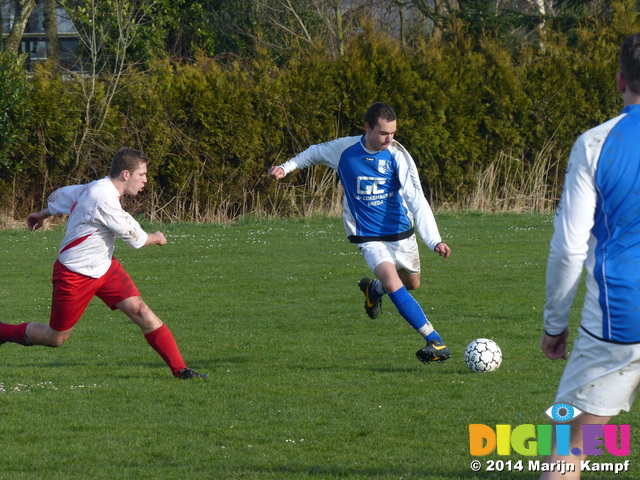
x: 607, y: 341
x: 384, y: 238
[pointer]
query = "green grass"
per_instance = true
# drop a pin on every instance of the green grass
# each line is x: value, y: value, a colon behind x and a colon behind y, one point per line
x: 304, y: 385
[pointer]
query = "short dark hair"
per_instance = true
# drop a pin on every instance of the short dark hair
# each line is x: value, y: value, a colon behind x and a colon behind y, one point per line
x: 379, y: 110
x: 630, y: 62
x: 126, y: 159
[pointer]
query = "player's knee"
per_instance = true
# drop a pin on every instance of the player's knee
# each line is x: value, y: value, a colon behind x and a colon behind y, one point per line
x: 134, y: 307
x: 410, y: 280
x: 144, y: 317
x: 144, y: 312
x: 413, y: 284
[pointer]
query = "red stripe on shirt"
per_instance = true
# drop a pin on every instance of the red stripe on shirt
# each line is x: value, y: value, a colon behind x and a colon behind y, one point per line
x: 76, y: 242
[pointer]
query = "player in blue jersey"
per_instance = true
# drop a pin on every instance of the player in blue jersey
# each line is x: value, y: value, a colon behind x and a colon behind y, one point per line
x: 383, y: 206
x: 597, y: 227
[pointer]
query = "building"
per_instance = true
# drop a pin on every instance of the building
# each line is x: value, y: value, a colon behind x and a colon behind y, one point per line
x: 34, y: 41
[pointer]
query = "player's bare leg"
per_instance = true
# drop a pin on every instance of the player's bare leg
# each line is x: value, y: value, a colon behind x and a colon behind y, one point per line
x: 576, y: 442
x: 32, y: 333
x: 41, y: 334
x: 140, y: 314
x: 374, y: 290
x: 158, y: 336
x: 389, y: 277
x: 410, y: 280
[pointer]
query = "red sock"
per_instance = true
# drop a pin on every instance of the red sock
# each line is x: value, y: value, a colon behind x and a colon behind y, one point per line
x: 14, y: 333
x: 162, y: 341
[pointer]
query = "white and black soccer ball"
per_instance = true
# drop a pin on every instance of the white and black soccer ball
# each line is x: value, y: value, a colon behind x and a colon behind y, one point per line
x: 483, y: 355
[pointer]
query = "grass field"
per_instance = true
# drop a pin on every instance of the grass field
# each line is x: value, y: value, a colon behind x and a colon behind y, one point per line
x: 303, y: 384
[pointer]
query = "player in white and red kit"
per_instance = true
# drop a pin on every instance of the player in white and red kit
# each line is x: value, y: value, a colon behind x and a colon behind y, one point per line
x: 86, y: 266
x: 383, y: 200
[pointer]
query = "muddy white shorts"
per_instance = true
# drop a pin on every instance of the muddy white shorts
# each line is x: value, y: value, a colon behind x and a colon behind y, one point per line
x: 403, y: 254
x: 600, y: 378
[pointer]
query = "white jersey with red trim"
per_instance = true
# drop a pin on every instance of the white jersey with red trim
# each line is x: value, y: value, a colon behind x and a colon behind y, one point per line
x: 96, y: 218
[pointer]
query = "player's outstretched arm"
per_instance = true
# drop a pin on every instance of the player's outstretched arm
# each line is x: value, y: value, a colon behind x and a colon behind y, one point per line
x: 36, y: 220
x: 157, y: 238
x: 443, y: 250
x: 276, y: 172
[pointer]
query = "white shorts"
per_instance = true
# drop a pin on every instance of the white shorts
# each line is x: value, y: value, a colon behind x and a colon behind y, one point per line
x: 600, y: 378
x: 403, y: 254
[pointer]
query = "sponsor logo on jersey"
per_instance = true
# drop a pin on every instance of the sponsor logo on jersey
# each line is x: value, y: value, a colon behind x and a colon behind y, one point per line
x: 370, y: 185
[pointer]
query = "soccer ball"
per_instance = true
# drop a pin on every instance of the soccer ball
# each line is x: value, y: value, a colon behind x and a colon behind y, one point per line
x: 483, y: 355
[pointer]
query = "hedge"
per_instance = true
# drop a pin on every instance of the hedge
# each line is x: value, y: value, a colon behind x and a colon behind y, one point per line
x: 212, y: 126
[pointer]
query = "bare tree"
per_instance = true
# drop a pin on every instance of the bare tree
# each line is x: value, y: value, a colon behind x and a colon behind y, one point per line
x: 23, y: 9
x: 400, y: 5
x: 50, y: 25
x: 338, y: 26
x: 280, y: 23
x: 436, y: 10
x: 278, y: 13
x: 511, y: 15
x: 105, y: 43
x: 306, y: 21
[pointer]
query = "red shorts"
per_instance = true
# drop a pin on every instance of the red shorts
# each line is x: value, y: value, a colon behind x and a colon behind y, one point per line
x: 73, y: 291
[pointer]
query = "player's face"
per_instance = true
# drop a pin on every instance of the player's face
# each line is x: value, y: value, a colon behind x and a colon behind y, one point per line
x: 137, y: 180
x: 379, y: 136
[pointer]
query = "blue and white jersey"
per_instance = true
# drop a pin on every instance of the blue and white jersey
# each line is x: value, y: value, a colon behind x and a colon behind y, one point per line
x: 597, y: 226
x: 382, y: 192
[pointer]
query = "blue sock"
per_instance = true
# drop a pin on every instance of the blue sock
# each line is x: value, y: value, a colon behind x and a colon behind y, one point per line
x: 412, y: 313
x: 408, y: 308
x: 433, y: 336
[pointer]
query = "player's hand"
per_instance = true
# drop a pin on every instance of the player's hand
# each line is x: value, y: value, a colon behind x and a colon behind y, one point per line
x: 36, y: 220
x: 276, y: 173
x: 443, y: 250
x: 555, y: 348
x: 162, y: 240
x: 156, y: 238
